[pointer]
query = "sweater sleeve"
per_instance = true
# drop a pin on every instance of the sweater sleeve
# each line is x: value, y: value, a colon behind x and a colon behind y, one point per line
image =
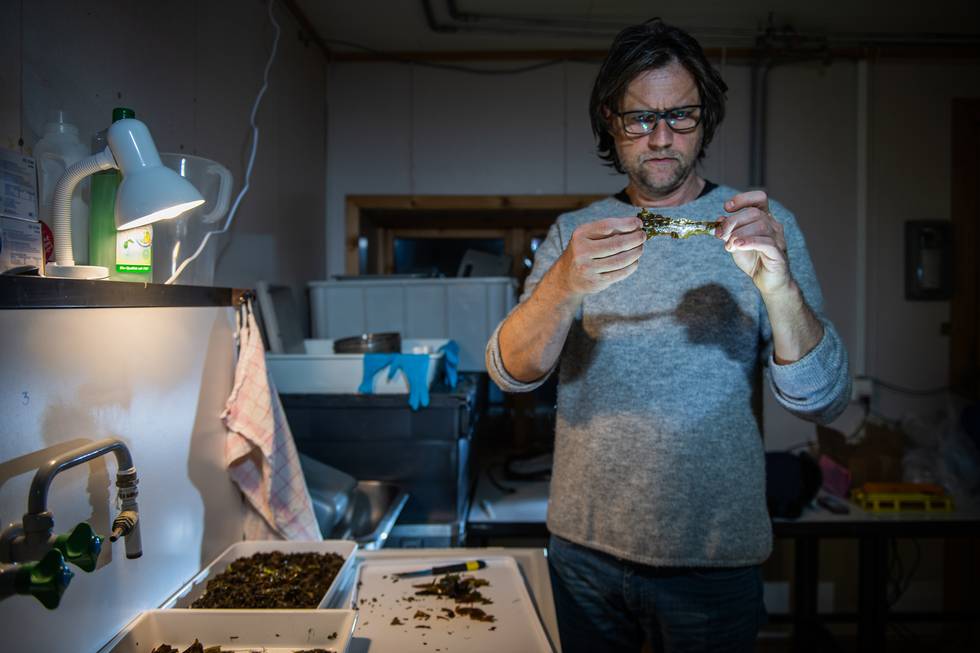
x: 817, y: 387
x: 545, y: 256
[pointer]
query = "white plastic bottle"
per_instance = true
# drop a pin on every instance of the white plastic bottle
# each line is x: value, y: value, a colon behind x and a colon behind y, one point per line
x: 58, y: 149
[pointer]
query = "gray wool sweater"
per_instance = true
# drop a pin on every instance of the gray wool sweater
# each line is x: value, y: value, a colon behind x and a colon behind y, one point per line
x: 658, y: 455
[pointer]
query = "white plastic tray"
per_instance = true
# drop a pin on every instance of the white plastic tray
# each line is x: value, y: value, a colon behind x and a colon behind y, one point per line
x: 272, y: 631
x: 187, y: 594
x: 320, y: 370
x: 379, y: 599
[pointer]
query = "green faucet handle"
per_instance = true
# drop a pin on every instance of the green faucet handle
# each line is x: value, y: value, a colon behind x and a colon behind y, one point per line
x: 81, y: 546
x: 45, y: 580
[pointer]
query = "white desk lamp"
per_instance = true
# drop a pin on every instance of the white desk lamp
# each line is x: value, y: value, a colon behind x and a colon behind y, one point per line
x: 148, y: 192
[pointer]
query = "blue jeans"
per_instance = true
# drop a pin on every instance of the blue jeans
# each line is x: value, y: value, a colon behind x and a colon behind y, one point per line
x: 608, y: 604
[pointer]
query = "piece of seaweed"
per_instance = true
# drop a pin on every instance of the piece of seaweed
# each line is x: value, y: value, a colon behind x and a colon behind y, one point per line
x: 655, y: 224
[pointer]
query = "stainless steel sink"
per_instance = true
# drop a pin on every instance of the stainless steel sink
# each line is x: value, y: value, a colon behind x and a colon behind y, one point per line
x: 372, y: 511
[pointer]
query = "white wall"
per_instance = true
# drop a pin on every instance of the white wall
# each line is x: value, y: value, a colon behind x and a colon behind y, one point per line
x: 910, y: 180
x: 157, y: 378
x: 811, y: 167
x: 399, y: 129
x: 191, y: 70
x: 403, y: 129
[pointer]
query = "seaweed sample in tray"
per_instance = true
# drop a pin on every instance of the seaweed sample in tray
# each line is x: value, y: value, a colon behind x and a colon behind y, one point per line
x: 488, y: 611
x: 272, y: 580
x: 461, y: 589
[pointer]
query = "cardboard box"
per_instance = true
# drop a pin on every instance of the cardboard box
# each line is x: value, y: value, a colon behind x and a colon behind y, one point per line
x: 20, y: 244
x: 876, y: 458
x: 18, y: 186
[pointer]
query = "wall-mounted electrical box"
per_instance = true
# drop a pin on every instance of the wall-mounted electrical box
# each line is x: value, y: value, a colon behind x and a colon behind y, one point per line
x: 928, y: 260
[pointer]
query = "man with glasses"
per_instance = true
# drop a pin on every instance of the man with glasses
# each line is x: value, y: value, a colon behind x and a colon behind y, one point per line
x: 657, y: 506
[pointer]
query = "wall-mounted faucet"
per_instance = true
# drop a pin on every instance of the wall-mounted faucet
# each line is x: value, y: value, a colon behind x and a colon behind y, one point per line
x: 33, y: 538
x: 46, y: 580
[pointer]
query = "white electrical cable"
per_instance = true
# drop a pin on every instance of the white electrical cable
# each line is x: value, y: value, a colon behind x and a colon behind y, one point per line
x: 251, y: 156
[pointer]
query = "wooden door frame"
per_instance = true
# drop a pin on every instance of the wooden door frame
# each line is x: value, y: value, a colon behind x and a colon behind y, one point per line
x: 964, y: 349
x: 355, y: 205
x: 961, y: 557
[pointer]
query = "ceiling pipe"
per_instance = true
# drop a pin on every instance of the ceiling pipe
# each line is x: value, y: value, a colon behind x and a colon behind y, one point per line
x: 433, y: 22
x: 757, y: 121
x: 773, y: 48
x: 564, y: 27
x: 463, y: 22
x: 612, y: 26
x: 307, y: 27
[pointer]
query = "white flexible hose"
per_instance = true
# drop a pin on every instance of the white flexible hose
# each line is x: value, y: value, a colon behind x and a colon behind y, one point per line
x: 251, y: 157
x: 61, y: 202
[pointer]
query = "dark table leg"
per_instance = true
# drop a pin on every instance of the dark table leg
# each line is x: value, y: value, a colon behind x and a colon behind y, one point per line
x: 872, y: 592
x: 805, y: 593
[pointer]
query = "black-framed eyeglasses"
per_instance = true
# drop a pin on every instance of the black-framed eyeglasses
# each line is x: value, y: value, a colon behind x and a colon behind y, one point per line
x: 680, y: 119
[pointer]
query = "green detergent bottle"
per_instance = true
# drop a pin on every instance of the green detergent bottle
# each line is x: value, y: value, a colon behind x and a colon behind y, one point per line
x: 127, y: 254
x: 102, y: 224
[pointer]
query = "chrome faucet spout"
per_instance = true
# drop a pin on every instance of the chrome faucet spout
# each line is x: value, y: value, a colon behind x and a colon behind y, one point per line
x: 33, y: 538
x: 127, y: 523
x: 38, y: 498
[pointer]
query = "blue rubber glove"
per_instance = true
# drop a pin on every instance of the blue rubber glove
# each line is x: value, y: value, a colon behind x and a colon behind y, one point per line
x: 414, y: 366
x: 373, y: 363
x: 416, y: 369
x: 450, y: 359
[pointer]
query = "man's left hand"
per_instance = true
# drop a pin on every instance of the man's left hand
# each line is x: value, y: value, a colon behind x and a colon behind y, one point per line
x: 756, y: 241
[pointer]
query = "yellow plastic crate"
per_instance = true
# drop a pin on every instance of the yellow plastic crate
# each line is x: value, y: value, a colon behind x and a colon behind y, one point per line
x: 891, y: 501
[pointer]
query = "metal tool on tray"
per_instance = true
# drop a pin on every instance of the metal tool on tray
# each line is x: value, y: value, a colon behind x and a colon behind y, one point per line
x: 469, y: 565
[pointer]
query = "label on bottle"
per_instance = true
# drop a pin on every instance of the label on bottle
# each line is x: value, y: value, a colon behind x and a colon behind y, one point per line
x: 134, y: 249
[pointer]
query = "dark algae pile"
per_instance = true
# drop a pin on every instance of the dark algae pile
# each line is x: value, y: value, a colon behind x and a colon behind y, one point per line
x: 273, y: 580
x: 462, y: 590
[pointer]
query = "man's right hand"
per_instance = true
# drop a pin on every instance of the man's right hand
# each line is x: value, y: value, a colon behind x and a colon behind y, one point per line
x: 599, y: 254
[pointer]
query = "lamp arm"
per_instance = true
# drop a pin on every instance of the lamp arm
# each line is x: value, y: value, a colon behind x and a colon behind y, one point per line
x: 61, y: 203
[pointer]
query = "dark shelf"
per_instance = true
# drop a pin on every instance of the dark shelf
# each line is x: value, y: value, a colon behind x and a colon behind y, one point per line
x: 40, y: 292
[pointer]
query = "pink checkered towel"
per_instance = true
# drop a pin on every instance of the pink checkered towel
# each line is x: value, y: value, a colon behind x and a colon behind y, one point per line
x: 259, y: 450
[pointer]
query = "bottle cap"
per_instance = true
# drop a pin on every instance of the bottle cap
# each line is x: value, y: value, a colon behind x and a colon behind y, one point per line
x: 120, y: 113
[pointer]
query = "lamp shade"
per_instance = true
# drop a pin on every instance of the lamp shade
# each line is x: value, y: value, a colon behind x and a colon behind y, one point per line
x: 148, y: 191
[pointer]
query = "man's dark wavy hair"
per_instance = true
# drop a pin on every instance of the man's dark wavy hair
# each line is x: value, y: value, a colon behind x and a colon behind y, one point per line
x: 649, y: 46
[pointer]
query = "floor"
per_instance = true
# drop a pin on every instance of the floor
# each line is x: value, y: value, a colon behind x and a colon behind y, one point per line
x: 947, y: 638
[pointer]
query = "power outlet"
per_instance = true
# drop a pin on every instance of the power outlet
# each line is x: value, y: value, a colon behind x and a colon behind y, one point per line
x: 862, y: 389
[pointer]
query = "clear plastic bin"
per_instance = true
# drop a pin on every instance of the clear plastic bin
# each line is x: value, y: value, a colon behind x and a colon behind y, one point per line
x: 466, y: 310
x: 320, y: 370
